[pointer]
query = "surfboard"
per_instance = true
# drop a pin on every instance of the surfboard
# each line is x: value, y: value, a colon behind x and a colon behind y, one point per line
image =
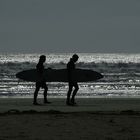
x: 59, y: 75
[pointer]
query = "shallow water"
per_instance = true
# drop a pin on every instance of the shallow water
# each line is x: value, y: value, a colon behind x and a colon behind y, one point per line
x: 121, y: 75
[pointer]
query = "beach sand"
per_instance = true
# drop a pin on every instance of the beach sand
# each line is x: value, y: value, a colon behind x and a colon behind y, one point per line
x: 95, y: 118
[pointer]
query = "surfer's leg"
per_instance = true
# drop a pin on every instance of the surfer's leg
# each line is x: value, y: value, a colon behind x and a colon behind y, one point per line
x: 36, y: 94
x: 45, y: 94
x: 68, y: 94
x: 74, y: 93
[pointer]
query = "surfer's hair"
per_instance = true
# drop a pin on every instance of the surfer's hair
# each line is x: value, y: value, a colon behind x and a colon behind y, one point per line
x: 75, y: 56
x: 42, y: 57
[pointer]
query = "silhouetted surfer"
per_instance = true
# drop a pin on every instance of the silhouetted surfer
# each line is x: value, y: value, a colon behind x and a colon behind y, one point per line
x: 41, y: 83
x: 70, y: 69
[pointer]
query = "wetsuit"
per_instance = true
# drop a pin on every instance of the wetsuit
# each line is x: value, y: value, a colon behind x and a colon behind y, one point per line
x: 40, y: 70
x: 70, y: 70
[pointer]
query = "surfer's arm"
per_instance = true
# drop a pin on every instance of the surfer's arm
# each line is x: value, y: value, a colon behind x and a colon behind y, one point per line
x: 69, y: 75
x: 70, y: 68
x: 40, y: 71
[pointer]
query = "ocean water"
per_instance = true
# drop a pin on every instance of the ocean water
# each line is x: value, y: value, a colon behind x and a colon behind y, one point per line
x: 121, y: 75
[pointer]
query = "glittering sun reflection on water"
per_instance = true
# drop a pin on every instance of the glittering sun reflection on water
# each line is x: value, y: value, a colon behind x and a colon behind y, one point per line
x: 121, y: 75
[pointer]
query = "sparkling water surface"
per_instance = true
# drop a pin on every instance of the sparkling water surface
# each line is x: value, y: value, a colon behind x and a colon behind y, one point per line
x: 121, y: 75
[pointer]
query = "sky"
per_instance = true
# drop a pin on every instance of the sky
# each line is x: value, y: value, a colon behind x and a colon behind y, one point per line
x: 67, y: 26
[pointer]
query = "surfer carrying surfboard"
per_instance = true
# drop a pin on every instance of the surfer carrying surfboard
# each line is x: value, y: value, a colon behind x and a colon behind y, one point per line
x: 41, y: 82
x: 72, y: 83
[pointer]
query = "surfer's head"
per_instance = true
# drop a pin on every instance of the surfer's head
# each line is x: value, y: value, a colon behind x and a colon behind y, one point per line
x: 75, y: 57
x: 42, y: 58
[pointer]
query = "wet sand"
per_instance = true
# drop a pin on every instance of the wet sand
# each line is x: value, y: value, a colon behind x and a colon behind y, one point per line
x: 96, y: 118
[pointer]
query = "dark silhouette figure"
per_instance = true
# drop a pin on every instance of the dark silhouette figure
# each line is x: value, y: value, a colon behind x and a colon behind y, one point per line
x: 41, y: 83
x: 70, y: 69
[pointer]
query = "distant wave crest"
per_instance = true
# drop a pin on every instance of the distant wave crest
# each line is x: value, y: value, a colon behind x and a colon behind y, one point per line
x: 103, y: 67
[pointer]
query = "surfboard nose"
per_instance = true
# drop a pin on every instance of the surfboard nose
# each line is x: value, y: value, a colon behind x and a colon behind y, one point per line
x: 98, y: 76
x: 93, y: 75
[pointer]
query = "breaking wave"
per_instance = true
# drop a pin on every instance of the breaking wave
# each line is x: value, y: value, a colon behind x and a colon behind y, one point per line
x: 112, y: 71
